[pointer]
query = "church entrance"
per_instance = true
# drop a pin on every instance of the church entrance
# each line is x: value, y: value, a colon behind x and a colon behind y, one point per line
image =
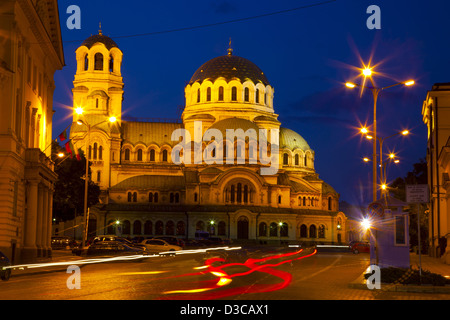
x: 242, y: 228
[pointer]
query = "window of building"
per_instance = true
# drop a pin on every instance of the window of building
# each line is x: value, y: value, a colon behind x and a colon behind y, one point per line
x: 221, y: 228
x: 246, y: 94
x: 273, y: 232
x: 329, y: 203
x: 285, y: 159
x: 208, y: 94
x: 181, y: 228
x: 127, y: 154
x: 170, y: 228
x: 303, y: 231
x: 220, y: 93
x: 148, y: 227
x: 86, y: 62
x: 111, y: 63
x: 152, y: 155
x: 284, y: 229
x: 98, y: 61
x: 296, y: 160
x: 262, y: 229
x: 139, y: 155
x: 99, y: 175
x: 137, y: 227
x: 257, y: 96
x: 312, y: 231
x: 159, y: 227
x: 100, y: 153
x: 164, y: 157
x: 321, y: 231
x: 95, y: 150
x: 198, y: 95
x: 233, y: 94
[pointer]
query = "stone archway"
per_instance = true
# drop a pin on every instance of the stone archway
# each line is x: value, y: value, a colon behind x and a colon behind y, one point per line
x: 242, y: 227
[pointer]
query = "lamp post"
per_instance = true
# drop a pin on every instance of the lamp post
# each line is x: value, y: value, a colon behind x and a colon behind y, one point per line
x: 383, y: 177
x: 367, y: 73
x: 79, y: 111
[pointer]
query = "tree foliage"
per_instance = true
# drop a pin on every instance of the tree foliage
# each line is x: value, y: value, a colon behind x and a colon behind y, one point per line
x: 68, y: 198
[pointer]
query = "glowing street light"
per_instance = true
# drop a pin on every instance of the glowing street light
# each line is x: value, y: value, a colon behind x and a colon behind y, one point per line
x: 367, y: 73
x: 365, y: 223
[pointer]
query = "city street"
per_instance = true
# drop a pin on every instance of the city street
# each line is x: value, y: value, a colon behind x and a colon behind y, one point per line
x: 262, y: 273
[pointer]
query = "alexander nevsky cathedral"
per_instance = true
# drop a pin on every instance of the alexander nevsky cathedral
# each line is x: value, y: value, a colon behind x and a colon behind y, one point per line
x: 148, y: 188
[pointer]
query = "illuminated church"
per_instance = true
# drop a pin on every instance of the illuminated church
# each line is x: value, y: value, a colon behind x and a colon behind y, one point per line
x: 148, y: 193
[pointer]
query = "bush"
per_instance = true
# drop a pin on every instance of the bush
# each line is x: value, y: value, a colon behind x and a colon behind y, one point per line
x: 409, y: 276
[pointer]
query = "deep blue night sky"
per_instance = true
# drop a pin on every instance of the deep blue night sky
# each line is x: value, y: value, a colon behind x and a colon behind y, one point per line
x: 307, y: 56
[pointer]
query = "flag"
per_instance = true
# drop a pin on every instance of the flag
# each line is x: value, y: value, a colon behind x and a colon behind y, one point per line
x: 70, y: 149
x: 63, y: 135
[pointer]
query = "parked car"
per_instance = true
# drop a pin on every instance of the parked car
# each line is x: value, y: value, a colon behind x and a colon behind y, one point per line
x: 116, y: 238
x: 360, y: 246
x: 5, y: 273
x: 172, y: 240
x: 159, y: 245
x: 113, y: 248
x: 62, y: 243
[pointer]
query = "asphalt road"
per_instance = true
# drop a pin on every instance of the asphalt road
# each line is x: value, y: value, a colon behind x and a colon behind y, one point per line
x: 255, y: 274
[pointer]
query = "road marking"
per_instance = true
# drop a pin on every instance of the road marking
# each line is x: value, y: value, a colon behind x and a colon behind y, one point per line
x: 320, y: 271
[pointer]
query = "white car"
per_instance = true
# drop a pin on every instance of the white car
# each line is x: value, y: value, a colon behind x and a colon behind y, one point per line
x: 158, y: 245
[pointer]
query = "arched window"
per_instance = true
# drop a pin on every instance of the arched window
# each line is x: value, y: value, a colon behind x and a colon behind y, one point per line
x: 171, y: 197
x: 100, y: 153
x: 257, y: 96
x: 177, y: 197
x: 126, y: 227
x: 263, y: 229
x: 150, y: 197
x: 265, y: 98
x: 164, y: 156
x: 279, y: 199
x: 304, y: 201
x: 99, y: 175
x: 303, y: 231
x: 181, y: 229
x: 200, y: 226
x: 127, y: 154
x: 96, y: 103
x: 134, y: 196
x: 246, y: 94
x: 296, y: 160
x: 137, y: 227
x: 111, y: 63
x: 273, y: 232
x: 321, y: 231
x: 195, y: 197
x: 233, y: 94
x: 239, y: 193
x: 208, y: 94
x: 170, y: 228
x: 148, y: 227
x: 306, y: 161
x: 221, y: 229
x: 139, y: 155
x: 220, y: 94
x: 232, y: 195
x: 198, y: 95
x: 312, y: 231
x: 98, y: 64
x: 329, y: 203
x: 155, y: 197
x: 152, y: 155
x: 86, y: 62
x: 130, y: 196
x: 285, y: 159
x: 159, y: 227
x: 284, y: 230
x: 95, y: 151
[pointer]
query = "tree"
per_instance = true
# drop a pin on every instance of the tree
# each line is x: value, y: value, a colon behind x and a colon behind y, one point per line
x: 68, y: 198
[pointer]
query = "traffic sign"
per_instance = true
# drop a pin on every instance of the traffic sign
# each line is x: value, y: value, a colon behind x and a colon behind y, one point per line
x: 376, y: 209
x: 417, y: 193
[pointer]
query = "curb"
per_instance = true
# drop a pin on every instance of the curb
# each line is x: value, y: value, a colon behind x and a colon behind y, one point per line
x: 360, y: 283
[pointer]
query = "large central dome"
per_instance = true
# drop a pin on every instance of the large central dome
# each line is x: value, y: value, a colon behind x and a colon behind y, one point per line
x: 229, y: 67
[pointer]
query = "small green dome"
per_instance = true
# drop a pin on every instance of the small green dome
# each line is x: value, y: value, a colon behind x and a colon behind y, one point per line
x: 292, y: 140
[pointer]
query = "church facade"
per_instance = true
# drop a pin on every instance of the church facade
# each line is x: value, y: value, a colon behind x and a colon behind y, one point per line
x: 153, y: 184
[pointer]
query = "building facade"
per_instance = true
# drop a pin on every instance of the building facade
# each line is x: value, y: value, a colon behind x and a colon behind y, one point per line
x: 436, y: 115
x: 30, y: 53
x: 227, y: 167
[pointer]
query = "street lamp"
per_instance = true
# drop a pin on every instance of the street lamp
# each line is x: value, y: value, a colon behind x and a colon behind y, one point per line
x: 392, y: 156
x: 80, y: 111
x: 367, y: 73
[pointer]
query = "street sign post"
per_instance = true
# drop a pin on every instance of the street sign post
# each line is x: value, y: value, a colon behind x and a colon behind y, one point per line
x: 417, y: 194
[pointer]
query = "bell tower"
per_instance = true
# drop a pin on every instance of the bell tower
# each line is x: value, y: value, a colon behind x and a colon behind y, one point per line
x: 97, y: 97
x: 98, y: 84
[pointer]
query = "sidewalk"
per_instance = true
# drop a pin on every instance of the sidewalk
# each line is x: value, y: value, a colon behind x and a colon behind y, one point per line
x: 433, y: 265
